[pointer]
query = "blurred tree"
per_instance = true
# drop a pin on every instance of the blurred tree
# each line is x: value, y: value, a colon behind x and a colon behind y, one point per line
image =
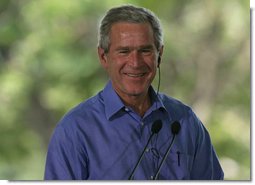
x: 48, y: 64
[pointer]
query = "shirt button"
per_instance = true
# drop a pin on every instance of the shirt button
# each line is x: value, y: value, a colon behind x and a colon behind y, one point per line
x: 126, y: 109
x: 147, y: 150
x: 151, y: 177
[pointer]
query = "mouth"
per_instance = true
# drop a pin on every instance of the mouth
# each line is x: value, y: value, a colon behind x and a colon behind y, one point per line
x: 135, y: 75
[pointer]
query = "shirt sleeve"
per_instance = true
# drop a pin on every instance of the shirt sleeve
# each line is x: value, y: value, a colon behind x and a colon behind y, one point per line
x: 64, y: 160
x: 206, y: 165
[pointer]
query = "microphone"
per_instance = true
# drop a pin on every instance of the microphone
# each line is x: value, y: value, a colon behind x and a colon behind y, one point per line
x: 175, y: 128
x: 155, y: 128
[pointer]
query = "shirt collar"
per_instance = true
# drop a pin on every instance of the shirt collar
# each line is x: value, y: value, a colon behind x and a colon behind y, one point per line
x: 157, y: 103
x: 114, y: 104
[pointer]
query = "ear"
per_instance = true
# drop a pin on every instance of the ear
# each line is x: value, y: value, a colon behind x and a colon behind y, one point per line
x: 160, y: 53
x: 102, y: 57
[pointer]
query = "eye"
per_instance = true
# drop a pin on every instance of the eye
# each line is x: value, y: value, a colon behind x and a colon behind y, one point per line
x: 146, y: 51
x: 123, y: 51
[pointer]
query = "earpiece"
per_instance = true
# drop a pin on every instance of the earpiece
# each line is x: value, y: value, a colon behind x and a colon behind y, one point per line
x: 159, y: 60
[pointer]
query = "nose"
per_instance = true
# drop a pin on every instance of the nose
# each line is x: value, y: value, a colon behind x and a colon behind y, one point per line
x: 135, y: 59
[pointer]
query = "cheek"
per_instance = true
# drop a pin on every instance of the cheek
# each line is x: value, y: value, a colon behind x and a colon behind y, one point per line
x: 113, y: 68
x: 153, y: 66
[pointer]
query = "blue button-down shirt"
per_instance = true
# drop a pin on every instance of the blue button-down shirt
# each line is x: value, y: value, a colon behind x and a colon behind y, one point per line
x: 101, y: 138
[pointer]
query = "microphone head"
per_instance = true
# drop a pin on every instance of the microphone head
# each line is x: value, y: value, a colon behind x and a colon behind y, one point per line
x: 156, y: 126
x: 175, y: 127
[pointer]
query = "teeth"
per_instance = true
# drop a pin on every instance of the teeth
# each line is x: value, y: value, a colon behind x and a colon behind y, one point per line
x: 135, y: 75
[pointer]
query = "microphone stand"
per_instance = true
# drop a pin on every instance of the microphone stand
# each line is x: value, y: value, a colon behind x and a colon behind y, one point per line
x: 164, y: 158
x: 156, y: 126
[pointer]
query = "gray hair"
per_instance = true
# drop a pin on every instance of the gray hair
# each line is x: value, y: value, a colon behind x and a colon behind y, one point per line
x: 131, y: 14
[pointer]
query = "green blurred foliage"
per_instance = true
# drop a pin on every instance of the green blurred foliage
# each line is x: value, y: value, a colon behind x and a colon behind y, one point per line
x: 48, y: 64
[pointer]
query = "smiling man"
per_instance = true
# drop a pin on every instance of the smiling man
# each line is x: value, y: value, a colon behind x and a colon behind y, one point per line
x: 131, y: 63
x: 112, y: 135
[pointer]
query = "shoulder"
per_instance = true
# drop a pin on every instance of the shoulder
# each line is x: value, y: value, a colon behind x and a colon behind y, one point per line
x: 179, y: 111
x: 175, y: 107
x: 83, y: 111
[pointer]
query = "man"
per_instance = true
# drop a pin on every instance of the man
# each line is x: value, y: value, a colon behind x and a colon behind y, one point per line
x: 103, y: 137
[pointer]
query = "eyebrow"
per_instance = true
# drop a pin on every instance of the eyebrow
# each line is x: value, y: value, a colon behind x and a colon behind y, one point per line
x: 140, y: 47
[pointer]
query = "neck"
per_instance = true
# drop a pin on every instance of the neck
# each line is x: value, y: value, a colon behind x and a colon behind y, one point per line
x: 139, y: 104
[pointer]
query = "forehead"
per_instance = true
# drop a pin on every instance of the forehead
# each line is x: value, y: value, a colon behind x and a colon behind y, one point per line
x: 130, y: 25
x: 124, y: 31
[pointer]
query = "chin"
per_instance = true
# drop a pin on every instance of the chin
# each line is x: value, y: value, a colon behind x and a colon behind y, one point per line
x: 135, y: 92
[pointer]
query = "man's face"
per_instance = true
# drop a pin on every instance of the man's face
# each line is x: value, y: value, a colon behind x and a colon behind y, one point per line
x: 132, y: 58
